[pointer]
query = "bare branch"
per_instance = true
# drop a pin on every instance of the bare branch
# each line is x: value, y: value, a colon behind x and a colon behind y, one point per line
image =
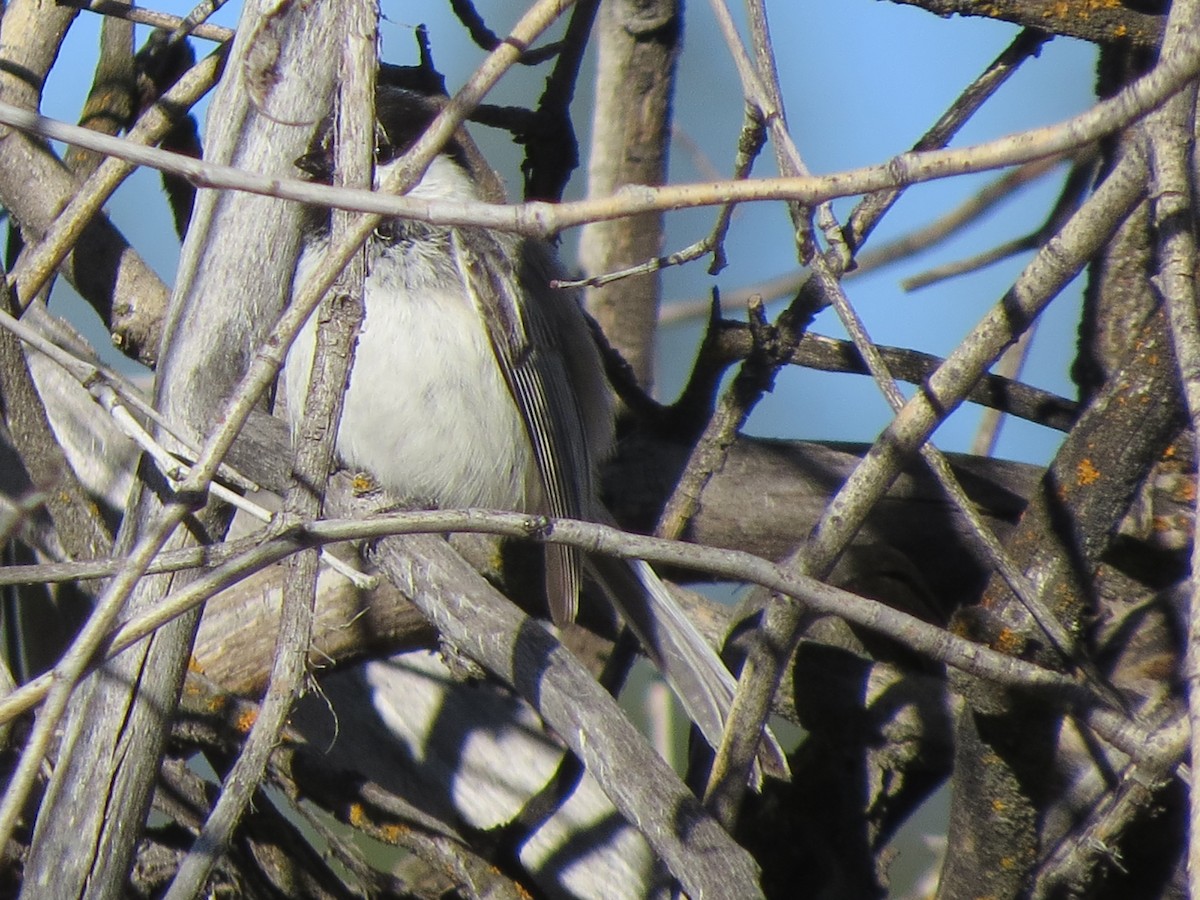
x: 1108, y: 24
x: 637, y: 45
x: 355, y: 143
x: 133, y: 700
x: 152, y: 18
x: 544, y: 220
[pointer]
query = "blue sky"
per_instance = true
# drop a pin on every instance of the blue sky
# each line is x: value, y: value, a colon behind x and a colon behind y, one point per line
x: 861, y: 79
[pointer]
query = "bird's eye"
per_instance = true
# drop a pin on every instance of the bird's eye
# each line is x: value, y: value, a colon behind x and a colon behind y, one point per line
x: 385, y: 153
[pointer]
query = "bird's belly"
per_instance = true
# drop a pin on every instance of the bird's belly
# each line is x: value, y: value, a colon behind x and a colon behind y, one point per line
x: 427, y: 412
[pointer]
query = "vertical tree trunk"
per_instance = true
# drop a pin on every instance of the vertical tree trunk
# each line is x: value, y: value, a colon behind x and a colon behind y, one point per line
x: 638, y: 44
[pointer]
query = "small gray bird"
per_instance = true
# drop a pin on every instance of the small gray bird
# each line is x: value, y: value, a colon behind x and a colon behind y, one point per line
x: 476, y: 384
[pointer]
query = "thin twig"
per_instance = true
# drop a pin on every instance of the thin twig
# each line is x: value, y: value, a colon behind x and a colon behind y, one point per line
x: 1073, y: 861
x: 39, y: 262
x: 1075, y: 187
x: 872, y: 260
x: 764, y: 669
x: 545, y: 220
x: 75, y: 662
x: 152, y: 18
x: 756, y: 375
x: 754, y: 378
x: 195, y: 557
x: 1054, y: 266
x: 929, y: 640
x: 195, y: 19
x: 959, y: 267
x: 113, y: 392
x: 1008, y: 366
x: 750, y: 143
x: 992, y: 391
x: 984, y: 539
x: 488, y: 40
x: 760, y: 86
x: 971, y: 210
x: 551, y: 149
x: 870, y: 210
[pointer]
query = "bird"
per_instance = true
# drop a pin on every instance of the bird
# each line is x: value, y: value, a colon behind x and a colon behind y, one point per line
x: 475, y: 383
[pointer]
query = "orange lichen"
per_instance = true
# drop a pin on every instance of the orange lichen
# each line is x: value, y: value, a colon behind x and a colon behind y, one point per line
x: 1186, y: 491
x: 245, y: 720
x: 1167, y: 524
x: 1008, y: 641
x: 1086, y: 472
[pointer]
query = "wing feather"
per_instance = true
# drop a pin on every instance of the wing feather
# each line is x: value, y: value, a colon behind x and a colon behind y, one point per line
x: 537, y: 375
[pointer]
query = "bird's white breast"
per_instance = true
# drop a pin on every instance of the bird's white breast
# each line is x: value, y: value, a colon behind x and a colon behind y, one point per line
x: 427, y: 412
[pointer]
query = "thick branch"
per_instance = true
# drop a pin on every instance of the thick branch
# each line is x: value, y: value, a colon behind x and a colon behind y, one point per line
x: 1101, y: 23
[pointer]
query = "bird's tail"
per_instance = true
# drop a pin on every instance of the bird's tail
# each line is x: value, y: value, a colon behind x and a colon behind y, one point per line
x: 689, y: 663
